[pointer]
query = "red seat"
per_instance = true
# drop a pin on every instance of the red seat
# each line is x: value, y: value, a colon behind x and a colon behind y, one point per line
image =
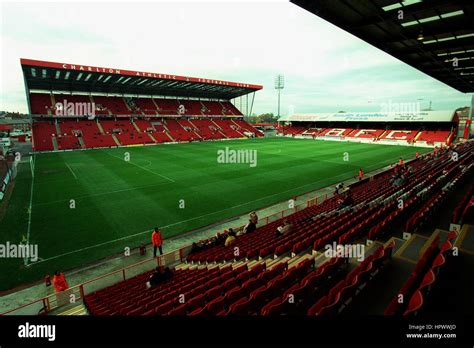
x: 241, y: 307
x: 179, y: 311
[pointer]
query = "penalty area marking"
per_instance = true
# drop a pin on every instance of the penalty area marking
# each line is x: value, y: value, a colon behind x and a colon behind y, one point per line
x: 141, y: 167
x: 70, y: 169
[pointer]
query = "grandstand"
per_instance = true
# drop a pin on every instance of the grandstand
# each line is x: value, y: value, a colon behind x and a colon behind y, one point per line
x: 424, y: 128
x: 355, y: 209
x: 182, y: 108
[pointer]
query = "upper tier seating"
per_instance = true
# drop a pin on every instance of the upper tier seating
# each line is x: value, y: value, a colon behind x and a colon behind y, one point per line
x: 40, y: 104
x: 213, y: 108
x: 146, y: 106
x: 167, y: 106
x: 192, y: 107
x: 230, y: 109
x: 114, y: 105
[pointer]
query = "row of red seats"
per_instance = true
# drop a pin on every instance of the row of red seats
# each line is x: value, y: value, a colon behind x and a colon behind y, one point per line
x: 45, y: 104
x: 306, y: 231
x: 338, y: 297
x: 409, y: 298
x: 465, y: 207
x: 148, y: 132
x: 405, y: 135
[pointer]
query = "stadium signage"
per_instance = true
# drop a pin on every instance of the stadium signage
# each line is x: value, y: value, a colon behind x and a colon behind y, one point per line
x: 96, y: 69
x: 422, y: 116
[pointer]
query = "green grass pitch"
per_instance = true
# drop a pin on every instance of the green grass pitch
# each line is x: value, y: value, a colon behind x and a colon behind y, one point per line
x: 117, y: 202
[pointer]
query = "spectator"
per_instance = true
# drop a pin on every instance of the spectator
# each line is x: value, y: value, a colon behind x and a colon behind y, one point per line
x: 157, y: 241
x: 253, y: 217
x: 159, y: 275
x: 221, y: 237
x: 346, y: 200
x: 285, y: 228
x: 231, y: 237
x: 59, y: 282
x: 250, y: 227
x: 339, y: 188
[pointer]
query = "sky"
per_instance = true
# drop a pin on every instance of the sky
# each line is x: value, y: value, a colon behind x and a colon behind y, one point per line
x: 325, y: 68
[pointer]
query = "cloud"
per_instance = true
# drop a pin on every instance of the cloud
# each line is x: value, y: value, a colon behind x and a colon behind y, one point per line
x: 325, y: 68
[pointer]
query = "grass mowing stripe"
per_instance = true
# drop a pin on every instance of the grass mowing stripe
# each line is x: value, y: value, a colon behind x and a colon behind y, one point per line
x: 114, y: 201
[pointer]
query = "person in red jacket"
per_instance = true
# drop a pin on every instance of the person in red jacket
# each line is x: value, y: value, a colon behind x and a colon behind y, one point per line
x: 157, y: 241
x: 59, y: 282
x: 361, y: 174
x: 400, y: 161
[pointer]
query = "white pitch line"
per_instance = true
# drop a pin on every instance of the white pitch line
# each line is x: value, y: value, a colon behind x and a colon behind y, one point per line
x: 70, y: 169
x: 141, y: 167
x: 179, y: 222
x: 173, y: 224
x: 30, y: 208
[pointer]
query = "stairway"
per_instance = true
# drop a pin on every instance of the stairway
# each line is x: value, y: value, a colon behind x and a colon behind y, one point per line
x: 81, y: 141
x: 219, y: 129
x: 77, y: 310
x: 156, y: 105
x: 55, y: 143
x: 100, y: 127
x: 136, y: 126
x: 116, y: 140
x: 238, y: 131
x: 152, y: 137
x: 418, y: 135
x: 56, y: 124
x: 167, y: 130
x: 199, y: 135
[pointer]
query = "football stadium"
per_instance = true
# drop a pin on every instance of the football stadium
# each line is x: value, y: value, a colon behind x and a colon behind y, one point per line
x: 142, y: 193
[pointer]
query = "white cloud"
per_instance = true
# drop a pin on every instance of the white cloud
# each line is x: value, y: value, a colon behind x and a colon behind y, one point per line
x: 324, y: 66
